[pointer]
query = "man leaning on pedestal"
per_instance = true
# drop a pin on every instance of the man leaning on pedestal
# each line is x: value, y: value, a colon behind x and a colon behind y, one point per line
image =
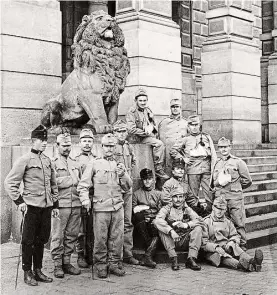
x: 141, y: 122
x: 38, y: 200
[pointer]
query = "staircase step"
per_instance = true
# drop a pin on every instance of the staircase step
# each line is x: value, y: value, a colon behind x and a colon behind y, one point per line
x: 254, y: 153
x: 260, y: 196
x: 262, y: 185
x: 262, y: 237
x: 264, y: 175
x: 262, y: 167
x: 259, y: 222
x: 260, y: 160
x: 261, y: 208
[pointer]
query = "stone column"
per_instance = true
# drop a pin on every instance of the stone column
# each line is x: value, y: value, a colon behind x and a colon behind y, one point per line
x: 231, y: 103
x: 97, y: 5
x: 153, y: 43
x: 272, y: 82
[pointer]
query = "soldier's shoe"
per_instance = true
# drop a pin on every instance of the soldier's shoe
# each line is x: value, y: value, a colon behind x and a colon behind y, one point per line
x: 58, y: 272
x: 191, y: 263
x: 131, y: 260
x: 81, y: 261
x: 257, y: 260
x: 148, y: 261
x: 41, y: 277
x: 114, y: 269
x: 120, y: 265
x: 102, y: 273
x: 161, y: 174
x: 174, y: 263
x: 71, y: 270
x: 29, y: 278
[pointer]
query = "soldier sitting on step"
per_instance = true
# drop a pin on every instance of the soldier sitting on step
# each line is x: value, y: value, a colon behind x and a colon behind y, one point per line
x: 221, y: 241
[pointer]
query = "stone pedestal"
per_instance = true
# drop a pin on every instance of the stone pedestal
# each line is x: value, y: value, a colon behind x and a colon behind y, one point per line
x: 153, y: 44
x: 231, y: 103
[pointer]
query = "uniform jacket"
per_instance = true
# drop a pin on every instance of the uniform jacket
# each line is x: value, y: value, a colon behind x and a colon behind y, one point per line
x: 169, y: 214
x: 171, y: 130
x: 172, y: 184
x: 136, y: 124
x: 218, y: 233
x: 38, y: 175
x: 101, y: 175
x: 188, y: 144
x: 151, y: 198
x: 124, y: 153
x: 240, y: 177
x: 68, y: 174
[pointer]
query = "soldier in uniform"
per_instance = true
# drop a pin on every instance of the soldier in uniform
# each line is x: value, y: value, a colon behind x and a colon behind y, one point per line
x: 198, y: 152
x: 85, y: 251
x: 172, y: 129
x: 180, y: 227
x: 108, y: 180
x: 124, y: 153
x: 38, y: 200
x: 230, y: 177
x: 178, y: 180
x: 146, y: 204
x: 221, y: 242
x: 65, y: 229
x: 140, y: 121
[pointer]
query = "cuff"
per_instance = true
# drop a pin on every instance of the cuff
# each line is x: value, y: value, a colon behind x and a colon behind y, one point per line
x: 56, y: 204
x: 19, y: 201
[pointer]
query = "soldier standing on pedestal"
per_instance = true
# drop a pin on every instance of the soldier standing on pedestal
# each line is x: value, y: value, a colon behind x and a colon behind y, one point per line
x: 124, y: 153
x: 38, y: 200
x: 86, y: 155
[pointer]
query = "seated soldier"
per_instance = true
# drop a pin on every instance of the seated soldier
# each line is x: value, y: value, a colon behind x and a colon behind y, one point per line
x: 221, y: 241
x: 178, y: 180
x: 146, y: 204
x: 180, y: 227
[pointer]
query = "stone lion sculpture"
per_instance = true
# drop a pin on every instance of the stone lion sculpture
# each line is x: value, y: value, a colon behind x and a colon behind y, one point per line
x: 90, y: 94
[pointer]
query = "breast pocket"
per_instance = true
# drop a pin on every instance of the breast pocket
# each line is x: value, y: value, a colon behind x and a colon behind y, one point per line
x: 61, y: 171
x: 34, y: 170
x: 101, y: 176
x: 139, y: 124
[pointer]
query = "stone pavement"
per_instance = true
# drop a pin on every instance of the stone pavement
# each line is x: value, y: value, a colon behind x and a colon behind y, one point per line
x: 141, y: 280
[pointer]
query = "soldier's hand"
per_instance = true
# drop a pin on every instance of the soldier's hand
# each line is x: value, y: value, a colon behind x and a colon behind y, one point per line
x: 86, y: 204
x: 55, y: 213
x: 175, y: 236
x: 229, y: 245
x: 22, y: 207
x: 219, y: 250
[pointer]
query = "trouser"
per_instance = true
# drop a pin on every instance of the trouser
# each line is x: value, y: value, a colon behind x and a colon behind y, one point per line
x: 36, y: 232
x: 128, y: 226
x: 158, y: 150
x: 190, y: 241
x: 108, y: 237
x: 194, y: 183
x: 64, y: 234
x: 236, y: 212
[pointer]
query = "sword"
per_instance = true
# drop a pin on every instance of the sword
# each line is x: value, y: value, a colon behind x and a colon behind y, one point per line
x: 20, y: 248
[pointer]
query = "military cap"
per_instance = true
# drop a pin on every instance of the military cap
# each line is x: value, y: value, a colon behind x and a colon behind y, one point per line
x: 175, y: 101
x: 109, y: 139
x: 40, y: 132
x: 86, y: 133
x: 194, y: 119
x: 64, y: 138
x: 119, y: 125
x: 140, y: 92
x: 178, y: 163
x: 220, y: 203
x: 223, y: 142
x: 177, y: 191
x: 146, y: 174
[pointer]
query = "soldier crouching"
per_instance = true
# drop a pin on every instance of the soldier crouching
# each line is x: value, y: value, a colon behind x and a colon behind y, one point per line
x: 108, y: 180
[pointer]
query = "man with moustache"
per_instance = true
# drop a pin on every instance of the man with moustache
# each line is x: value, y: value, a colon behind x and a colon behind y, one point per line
x: 65, y: 229
x: 38, y: 200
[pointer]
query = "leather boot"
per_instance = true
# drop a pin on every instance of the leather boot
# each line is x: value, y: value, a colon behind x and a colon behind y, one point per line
x: 58, y: 271
x: 131, y: 260
x: 41, y: 277
x: 114, y: 269
x: 29, y: 278
x: 102, y: 272
x: 70, y: 269
x: 191, y: 263
x: 81, y: 261
x: 174, y: 263
x: 256, y: 262
x: 150, y: 252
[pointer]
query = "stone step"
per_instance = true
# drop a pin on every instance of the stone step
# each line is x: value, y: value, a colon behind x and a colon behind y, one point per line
x: 261, y: 208
x: 264, y: 175
x: 260, y: 160
x: 259, y: 222
x: 254, y: 153
x: 262, y: 167
x: 262, y: 185
x: 262, y: 237
x: 260, y: 196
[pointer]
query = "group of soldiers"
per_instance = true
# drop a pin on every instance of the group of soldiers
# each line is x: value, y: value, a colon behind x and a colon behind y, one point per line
x: 88, y: 203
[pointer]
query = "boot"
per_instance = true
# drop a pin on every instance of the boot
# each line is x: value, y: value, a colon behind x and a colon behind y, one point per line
x: 150, y: 252
x: 29, y: 278
x: 174, y: 263
x: 81, y: 261
x: 39, y: 276
x: 114, y: 269
x: 191, y: 263
x: 102, y: 273
x: 58, y: 272
x: 70, y: 269
x: 131, y: 260
x: 256, y: 262
x: 159, y: 171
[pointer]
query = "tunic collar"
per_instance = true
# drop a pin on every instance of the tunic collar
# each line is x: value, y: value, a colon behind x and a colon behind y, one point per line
x: 35, y: 151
